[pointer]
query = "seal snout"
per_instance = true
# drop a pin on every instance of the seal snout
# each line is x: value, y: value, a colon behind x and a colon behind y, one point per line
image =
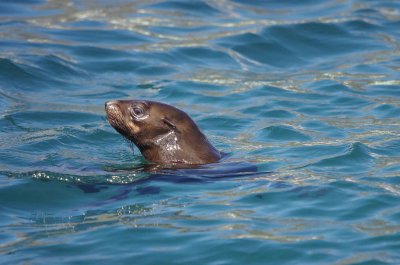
x: 112, y: 110
x: 112, y: 107
x: 110, y: 104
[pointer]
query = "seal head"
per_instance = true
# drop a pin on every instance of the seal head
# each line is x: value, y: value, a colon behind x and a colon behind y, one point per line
x: 164, y: 134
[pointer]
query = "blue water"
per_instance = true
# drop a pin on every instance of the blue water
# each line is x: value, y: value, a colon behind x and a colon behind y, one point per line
x: 306, y: 91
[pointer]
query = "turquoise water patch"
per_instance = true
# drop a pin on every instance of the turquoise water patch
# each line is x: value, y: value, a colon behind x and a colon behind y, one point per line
x: 355, y: 157
x: 198, y: 8
x: 282, y: 133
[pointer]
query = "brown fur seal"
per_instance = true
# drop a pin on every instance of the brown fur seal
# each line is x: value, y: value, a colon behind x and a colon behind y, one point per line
x: 164, y: 134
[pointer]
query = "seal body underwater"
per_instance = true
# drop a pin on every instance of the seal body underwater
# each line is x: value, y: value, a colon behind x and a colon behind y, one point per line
x: 164, y: 134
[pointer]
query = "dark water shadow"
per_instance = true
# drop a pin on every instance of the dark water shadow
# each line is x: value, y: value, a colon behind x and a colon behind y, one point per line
x: 122, y: 180
x: 150, y: 173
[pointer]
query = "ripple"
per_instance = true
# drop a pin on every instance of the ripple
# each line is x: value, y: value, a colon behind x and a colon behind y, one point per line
x: 330, y: 87
x: 278, y: 114
x: 263, y: 50
x: 199, y: 8
x: 101, y: 36
x: 325, y: 129
x: 17, y: 73
x: 351, y: 160
x: 99, y: 53
x: 350, y: 102
x: 35, y: 76
x: 282, y: 133
x: 223, y: 123
x: 21, y: 8
x: 309, y: 40
x: 387, y: 111
x: 388, y: 148
x: 46, y: 119
x: 155, y: 70
x: 122, y: 65
x: 59, y: 67
x: 202, y: 56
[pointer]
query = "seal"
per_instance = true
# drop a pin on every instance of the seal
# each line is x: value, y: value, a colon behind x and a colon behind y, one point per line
x: 164, y: 134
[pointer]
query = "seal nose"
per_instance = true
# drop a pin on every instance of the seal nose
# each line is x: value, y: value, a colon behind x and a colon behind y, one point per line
x: 109, y: 104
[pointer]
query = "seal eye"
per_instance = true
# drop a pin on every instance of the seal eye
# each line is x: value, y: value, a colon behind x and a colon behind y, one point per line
x: 137, y: 112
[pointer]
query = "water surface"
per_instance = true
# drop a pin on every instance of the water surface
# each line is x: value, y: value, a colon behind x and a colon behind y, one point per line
x: 306, y: 91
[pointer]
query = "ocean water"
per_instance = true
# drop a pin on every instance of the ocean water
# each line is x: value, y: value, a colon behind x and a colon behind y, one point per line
x: 306, y: 91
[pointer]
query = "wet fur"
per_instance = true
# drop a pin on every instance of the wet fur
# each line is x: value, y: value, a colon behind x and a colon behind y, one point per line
x: 164, y: 135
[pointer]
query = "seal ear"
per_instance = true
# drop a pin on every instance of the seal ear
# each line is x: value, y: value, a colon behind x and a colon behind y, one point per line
x: 170, y: 124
